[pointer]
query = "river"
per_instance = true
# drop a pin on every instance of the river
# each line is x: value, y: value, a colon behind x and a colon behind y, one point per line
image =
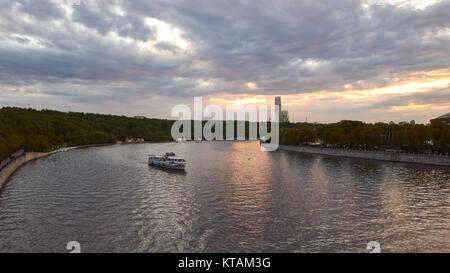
x: 232, y: 198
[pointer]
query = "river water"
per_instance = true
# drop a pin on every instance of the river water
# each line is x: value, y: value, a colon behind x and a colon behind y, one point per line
x: 232, y: 198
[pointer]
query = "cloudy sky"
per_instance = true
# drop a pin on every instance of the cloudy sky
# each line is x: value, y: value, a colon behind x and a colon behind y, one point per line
x: 370, y: 60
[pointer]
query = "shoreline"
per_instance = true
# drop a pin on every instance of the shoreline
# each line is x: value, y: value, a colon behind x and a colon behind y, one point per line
x: 435, y: 160
x: 16, y: 164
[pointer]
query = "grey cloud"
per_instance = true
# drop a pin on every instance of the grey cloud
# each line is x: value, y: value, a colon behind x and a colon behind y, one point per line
x: 266, y: 42
x: 98, y: 15
x: 422, y: 98
x: 40, y: 9
x: 252, y: 42
x: 167, y: 46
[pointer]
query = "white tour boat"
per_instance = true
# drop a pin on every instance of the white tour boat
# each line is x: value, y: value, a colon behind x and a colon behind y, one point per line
x: 169, y: 160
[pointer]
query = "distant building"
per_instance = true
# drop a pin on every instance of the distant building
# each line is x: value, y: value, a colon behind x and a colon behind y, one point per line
x: 278, y: 101
x: 140, y: 117
x: 412, y: 122
x: 445, y: 118
x: 283, y: 115
x: 133, y: 140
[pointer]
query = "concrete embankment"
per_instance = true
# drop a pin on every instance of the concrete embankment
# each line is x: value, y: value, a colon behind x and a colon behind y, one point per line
x: 441, y: 160
x: 7, y: 171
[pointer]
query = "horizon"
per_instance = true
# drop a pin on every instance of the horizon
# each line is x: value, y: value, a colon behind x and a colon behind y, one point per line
x: 174, y: 119
x: 379, y: 61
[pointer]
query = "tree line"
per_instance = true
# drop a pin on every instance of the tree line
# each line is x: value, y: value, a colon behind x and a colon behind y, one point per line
x: 433, y: 137
x: 48, y: 130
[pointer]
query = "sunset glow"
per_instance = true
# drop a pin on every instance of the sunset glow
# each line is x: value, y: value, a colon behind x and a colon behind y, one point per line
x: 427, y: 82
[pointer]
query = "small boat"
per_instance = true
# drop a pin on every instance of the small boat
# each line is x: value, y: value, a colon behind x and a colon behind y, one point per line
x: 168, y: 160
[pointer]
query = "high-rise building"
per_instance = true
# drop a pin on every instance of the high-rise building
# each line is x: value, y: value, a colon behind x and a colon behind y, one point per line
x: 283, y: 116
x: 278, y: 102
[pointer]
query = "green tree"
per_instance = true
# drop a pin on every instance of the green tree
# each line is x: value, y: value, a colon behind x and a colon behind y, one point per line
x: 306, y: 135
x: 439, y: 132
x: 371, y: 135
x: 337, y: 136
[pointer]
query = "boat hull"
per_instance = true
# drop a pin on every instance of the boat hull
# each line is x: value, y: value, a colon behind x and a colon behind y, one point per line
x: 168, y: 165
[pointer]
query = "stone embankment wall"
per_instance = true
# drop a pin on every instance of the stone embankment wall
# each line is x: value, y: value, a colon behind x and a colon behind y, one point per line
x: 442, y: 160
x: 15, y: 164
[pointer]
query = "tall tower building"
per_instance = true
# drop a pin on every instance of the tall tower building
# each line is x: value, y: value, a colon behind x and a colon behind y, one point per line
x: 278, y: 102
x: 283, y: 115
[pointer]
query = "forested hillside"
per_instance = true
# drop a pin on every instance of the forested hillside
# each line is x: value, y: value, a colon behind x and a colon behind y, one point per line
x: 47, y: 130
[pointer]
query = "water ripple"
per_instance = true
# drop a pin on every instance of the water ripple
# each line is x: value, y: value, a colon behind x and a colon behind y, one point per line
x: 110, y: 200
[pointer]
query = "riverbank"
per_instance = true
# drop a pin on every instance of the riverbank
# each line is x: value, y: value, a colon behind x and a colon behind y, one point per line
x: 7, y: 171
x: 438, y: 160
x: 17, y: 163
x: 12, y: 167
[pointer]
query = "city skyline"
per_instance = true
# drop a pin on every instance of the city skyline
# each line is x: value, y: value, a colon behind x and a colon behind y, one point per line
x: 374, y: 61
